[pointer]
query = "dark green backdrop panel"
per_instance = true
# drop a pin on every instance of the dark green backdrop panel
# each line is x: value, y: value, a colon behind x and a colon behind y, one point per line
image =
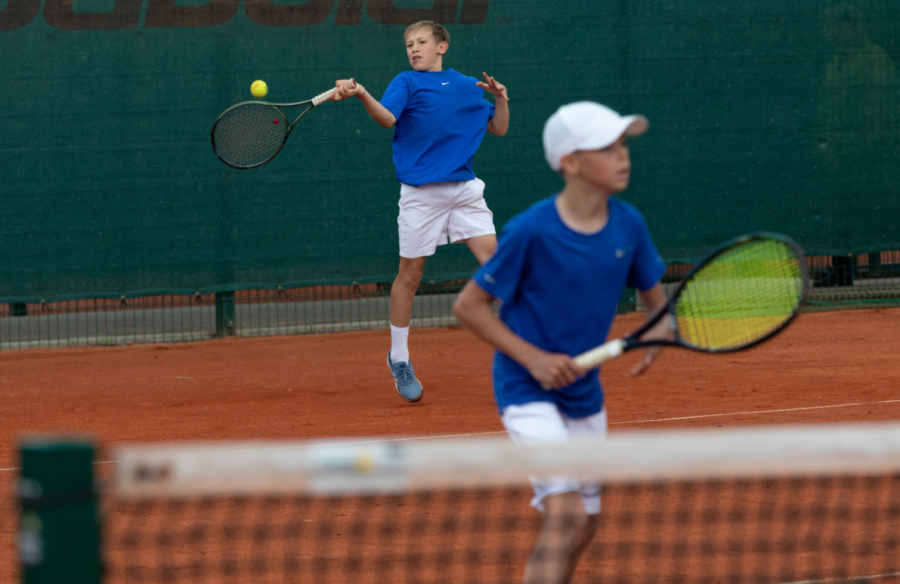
x: 778, y: 115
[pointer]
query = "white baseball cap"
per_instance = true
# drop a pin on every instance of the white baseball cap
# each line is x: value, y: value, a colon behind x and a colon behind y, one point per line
x: 585, y: 125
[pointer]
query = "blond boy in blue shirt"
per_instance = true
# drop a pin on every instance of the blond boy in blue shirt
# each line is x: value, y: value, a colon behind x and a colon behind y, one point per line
x: 439, y: 119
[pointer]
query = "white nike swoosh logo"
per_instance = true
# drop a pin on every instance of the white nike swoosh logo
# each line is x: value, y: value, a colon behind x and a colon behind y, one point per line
x: 448, y: 83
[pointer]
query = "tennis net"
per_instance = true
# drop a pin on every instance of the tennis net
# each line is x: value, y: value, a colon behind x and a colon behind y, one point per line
x: 757, y: 505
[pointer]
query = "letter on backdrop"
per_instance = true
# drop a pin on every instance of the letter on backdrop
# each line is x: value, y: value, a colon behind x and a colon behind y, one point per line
x: 271, y: 14
x: 165, y: 14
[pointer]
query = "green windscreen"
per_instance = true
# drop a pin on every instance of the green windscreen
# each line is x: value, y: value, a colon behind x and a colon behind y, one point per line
x: 742, y: 296
x: 766, y: 115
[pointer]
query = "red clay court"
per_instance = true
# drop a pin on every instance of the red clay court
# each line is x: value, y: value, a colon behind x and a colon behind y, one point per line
x: 837, y: 366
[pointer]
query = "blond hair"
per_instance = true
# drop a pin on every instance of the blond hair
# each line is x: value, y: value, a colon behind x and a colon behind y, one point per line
x: 439, y: 33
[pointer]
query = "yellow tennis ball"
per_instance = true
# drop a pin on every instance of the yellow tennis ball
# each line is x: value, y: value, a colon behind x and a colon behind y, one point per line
x: 259, y: 89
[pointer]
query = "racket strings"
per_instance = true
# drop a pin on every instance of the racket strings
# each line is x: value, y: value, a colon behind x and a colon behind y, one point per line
x: 250, y: 135
x: 742, y: 296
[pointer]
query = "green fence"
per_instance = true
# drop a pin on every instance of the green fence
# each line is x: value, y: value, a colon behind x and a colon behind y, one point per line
x: 768, y: 115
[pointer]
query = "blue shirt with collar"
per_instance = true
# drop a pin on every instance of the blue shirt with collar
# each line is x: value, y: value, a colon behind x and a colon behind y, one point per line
x: 441, y: 119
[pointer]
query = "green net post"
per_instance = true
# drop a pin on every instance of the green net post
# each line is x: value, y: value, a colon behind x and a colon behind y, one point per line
x: 225, y: 314
x: 59, y: 525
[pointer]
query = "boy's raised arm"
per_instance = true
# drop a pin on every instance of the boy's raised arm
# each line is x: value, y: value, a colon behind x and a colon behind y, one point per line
x: 499, y: 124
x: 378, y: 112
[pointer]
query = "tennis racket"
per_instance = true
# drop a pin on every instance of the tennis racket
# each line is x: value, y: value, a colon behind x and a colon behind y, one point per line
x: 744, y: 292
x: 252, y: 133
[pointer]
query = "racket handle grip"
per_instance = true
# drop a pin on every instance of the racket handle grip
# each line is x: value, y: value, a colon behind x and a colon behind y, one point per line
x: 326, y: 96
x: 605, y: 352
x: 323, y: 97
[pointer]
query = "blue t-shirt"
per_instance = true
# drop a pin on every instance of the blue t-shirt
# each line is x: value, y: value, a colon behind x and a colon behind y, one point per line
x: 560, y: 289
x: 441, y: 120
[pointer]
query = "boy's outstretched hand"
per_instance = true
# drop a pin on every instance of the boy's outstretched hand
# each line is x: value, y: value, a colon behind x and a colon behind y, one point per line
x: 347, y: 88
x: 554, y: 370
x: 491, y: 85
x: 660, y: 330
x: 653, y: 300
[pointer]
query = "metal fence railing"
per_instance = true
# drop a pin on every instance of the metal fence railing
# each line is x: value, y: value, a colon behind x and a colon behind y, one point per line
x: 850, y: 281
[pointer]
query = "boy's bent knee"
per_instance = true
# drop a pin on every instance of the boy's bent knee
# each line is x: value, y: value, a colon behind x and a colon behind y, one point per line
x: 564, y: 536
x: 410, y: 272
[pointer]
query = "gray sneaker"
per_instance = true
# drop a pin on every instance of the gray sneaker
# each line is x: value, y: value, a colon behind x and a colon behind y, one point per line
x: 405, y: 380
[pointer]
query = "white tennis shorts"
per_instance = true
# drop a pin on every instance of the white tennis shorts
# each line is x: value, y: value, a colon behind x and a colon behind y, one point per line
x: 543, y: 423
x: 432, y: 213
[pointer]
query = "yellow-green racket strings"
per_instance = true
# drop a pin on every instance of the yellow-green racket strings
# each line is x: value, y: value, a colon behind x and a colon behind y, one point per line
x: 742, y: 296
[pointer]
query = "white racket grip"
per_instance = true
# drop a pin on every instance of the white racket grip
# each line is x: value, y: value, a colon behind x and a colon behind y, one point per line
x: 323, y: 97
x: 605, y: 352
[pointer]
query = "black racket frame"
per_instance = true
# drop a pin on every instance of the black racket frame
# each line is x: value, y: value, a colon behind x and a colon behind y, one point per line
x: 633, y: 342
x: 275, y: 106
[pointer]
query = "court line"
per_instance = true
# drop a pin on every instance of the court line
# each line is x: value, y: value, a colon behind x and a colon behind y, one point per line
x: 887, y: 401
x: 849, y: 579
x: 748, y: 413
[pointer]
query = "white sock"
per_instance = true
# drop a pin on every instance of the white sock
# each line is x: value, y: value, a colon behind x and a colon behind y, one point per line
x: 399, y: 347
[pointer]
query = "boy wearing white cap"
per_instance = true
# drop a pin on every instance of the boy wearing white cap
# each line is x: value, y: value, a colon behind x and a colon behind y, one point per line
x: 559, y: 271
